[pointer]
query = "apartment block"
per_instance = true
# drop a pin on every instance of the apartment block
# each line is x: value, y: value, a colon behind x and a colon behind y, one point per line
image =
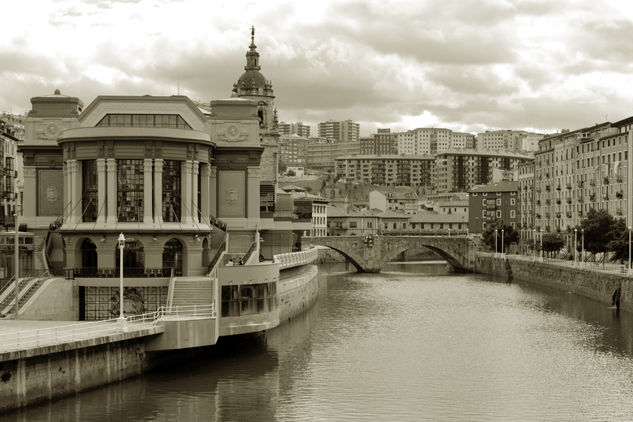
x: 386, y: 170
x: 321, y: 155
x: 294, y: 129
x: 383, y: 142
x: 508, y: 140
x: 343, y: 131
x: 497, y: 201
x: 293, y: 150
x: 462, y: 170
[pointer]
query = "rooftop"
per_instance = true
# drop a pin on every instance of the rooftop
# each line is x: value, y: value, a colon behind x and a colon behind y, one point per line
x: 497, y: 187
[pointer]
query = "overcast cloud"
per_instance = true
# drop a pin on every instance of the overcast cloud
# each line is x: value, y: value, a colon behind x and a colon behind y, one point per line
x: 465, y: 65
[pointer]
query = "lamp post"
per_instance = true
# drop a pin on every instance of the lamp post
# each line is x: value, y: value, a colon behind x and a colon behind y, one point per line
x: 575, y: 243
x: 503, y: 251
x: 582, y: 255
x: 496, y: 242
x: 533, y: 244
x: 16, y: 256
x: 121, y: 246
x: 541, y: 236
x: 629, y: 248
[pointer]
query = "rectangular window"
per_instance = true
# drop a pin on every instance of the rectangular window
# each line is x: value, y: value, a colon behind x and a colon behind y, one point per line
x: 483, y: 202
x: 130, y: 190
x: 512, y: 201
x: 483, y: 214
x: 512, y: 213
x: 498, y: 201
x: 498, y: 213
x: 89, y: 191
x: 171, y: 191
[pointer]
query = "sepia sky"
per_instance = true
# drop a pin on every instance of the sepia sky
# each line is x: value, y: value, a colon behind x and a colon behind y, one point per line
x: 466, y: 65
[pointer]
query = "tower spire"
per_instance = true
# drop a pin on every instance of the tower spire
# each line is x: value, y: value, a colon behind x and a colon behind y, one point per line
x: 252, y: 56
x: 252, y: 36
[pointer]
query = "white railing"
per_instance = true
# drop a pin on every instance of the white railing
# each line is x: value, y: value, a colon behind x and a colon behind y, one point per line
x: 294, y: 259
x: 49, y: 336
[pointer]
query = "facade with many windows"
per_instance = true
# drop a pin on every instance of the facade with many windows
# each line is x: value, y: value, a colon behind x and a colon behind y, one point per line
x: 497, y: 201
x: 386, y: 170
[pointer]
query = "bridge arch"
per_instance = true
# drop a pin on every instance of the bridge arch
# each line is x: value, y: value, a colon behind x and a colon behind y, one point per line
x: 448, y: 257
x: 348, y: 258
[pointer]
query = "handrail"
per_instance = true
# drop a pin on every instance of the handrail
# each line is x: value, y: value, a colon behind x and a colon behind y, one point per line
x: 24, y: 307
x: 24, y: 285
x: 294, y: 259
x: 6, y: 287
x: 249, y: 253
x: 40, y: 337
x: 221, y: 250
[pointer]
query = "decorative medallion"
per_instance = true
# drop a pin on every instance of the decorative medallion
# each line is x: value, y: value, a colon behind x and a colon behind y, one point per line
x: 231, y: 196
x: 51, y: 194
x: 232, y: 132
x: 51, y: 129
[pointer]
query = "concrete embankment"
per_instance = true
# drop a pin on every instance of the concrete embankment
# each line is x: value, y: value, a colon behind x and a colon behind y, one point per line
x: 586, y: 282
x: 298, y: 288
x: 42, y: 373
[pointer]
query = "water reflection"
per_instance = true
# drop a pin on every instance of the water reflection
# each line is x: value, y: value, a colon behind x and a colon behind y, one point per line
x: 413, y: 343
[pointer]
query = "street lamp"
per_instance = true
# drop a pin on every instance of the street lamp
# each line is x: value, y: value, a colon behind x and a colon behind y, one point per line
x: 503, y: 252
x: 575, y: 243
x: 582, y: 255
x: 533, y: 244
x: 121, y: 246
x: 496, y: 248
x: 629, y: 248
x: 541, y: 236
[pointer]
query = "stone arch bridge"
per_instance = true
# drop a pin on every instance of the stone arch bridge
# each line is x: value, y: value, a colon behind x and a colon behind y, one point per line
x: 369, y: 253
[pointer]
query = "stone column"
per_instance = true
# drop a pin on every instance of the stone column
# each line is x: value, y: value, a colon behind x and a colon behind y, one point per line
x: 204, y: 193
x: 74, y: 187
x: 69, y: 187
x: 101, y: 191
x: 158, y: 191
x: 252, y: 192
x: 147, y: 191
x: 194, y: 192
x: 111, y: 182
x: 78, y: 192
x: 213, y: 191
x: 185, y: 191
x: 67, y: 194
x: 30, y: 191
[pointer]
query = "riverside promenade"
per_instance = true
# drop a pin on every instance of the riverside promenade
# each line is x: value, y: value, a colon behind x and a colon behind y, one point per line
x: 40, y: 360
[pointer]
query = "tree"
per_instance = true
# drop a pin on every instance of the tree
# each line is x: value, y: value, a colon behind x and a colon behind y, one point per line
x: 509, y: 236
x: 291, y: 173
x: 552, y: 243
x: 619, y: 243
x: 281, y: 167
x: 598, y: 228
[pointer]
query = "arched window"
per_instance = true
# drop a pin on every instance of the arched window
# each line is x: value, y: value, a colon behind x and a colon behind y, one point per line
x: 88, y: 258
x: 172, y: 256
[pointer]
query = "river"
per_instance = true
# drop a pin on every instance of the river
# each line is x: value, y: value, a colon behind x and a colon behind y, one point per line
x: 414, y: 343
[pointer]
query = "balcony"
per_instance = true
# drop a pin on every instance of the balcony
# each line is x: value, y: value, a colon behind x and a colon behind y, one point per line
x: 547, y: 202
x: 568, y: 186
x: 592, y: 183
x: 568, y: 214
x: 619, y: 194
x: 605, y: 180
x: 569, y: 200
x: 558, y: 201
x: 136, y: 272
x: 547, y: 188
x: 558, y: 187
x: 592, y: 197
x: 605, y: 196
x: 557, y: 215
x: 581, y: 184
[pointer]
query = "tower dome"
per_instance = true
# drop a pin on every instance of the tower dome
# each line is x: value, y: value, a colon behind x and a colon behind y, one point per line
x: 252, y: 82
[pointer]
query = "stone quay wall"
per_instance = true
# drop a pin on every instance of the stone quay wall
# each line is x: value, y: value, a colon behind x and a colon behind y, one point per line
x: 297, y: 292
x: 41, y: 374
x: 586, y: 282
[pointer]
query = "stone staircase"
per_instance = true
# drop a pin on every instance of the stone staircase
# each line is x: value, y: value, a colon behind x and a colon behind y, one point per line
x: 27, y: 287
x: 192, y: 291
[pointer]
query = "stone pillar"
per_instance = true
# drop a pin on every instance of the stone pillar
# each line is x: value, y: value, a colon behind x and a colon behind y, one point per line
x: 30, y: 191
x: 194, y: 192
x: 101, y: 191
x: 158, y: 191
x: 213, y: 191
x: 68, y: 181
x: 75, y: 182
x: 67, y: 194
x: 147, y: 191
x: 252, y: 192
x: 111, y: 182
x: 107, y: 254
x: 185, y: 192
x: 204, y: 193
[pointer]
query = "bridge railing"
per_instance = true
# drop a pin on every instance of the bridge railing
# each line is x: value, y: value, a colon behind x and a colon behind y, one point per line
x: 295, y: 259
x: 49, y: 336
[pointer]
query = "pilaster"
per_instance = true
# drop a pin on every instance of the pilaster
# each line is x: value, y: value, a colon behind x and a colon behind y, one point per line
x: 158, y: 191
x: 30, y: 191
x: 252, y: 192
x: 213, y: 191
x: 111, y: 182
x: 101, y: 191
x: 147, y: 191
x: 204, y: 193
x: 185, y: 192
x: 194, y: 191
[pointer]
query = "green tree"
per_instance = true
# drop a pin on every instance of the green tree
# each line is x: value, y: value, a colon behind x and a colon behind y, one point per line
x: 598, y: 227
x: 291, y: 173
x: 619, y: 243
x: 552, y: 242
x: 509, y: 236
x: 281, y: 167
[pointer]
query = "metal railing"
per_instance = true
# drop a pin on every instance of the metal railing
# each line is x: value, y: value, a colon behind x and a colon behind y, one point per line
x: 294, y: 259
x: 49, y: 336
x: 92, y: 272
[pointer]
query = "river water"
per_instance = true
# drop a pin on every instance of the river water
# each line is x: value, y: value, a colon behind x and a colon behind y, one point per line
x: 414, y: 343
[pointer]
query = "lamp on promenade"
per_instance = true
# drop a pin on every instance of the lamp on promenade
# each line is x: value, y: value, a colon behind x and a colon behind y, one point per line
x: 16, y: 256
x: 533, y: 244
x: 503, y: 252
x: 496, y: 248
x: 629, y: 248
x: 541, y: 232
x: 121, y: 246
x: 575, y: 243
x: 582, y: 254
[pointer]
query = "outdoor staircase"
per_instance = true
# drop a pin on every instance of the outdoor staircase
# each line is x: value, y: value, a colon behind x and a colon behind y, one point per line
x: 27, y: 287
x: 192, y: 291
